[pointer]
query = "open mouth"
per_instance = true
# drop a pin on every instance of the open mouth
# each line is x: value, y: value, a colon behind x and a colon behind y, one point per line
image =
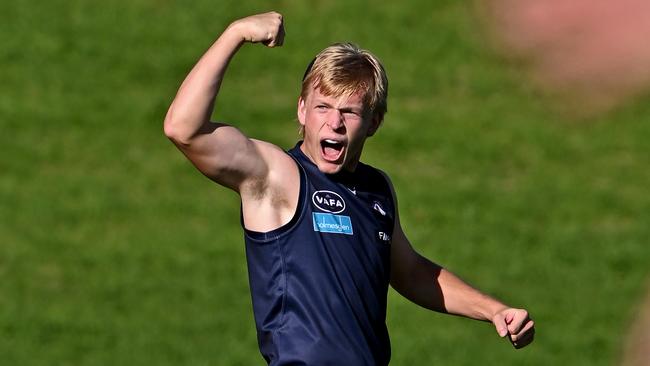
x: 331, y: 149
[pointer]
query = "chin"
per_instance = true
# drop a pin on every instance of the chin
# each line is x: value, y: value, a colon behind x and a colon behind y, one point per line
x: 330, y: 168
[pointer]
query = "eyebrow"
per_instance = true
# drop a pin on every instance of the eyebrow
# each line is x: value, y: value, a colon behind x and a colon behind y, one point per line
x: 351, y: 109
x: 345, y: 107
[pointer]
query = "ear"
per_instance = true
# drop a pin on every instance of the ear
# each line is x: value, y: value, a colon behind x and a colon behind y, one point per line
x: 375, y: 121
x: 302, y: 111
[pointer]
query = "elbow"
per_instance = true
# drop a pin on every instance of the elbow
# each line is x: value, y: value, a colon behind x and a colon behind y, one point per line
x: 170, y: 130
x: 174, y: 131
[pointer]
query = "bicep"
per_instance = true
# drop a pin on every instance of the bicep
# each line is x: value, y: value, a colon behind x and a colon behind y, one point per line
x: 224, y: 154
x: 414, y: 276
x: 402, y: 257
x: 408, y: 267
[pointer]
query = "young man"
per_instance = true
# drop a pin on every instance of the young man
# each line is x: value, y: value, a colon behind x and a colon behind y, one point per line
x: 322, y: 231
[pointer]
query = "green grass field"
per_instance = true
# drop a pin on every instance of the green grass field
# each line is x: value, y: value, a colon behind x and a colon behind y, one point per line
x: 115, y: 251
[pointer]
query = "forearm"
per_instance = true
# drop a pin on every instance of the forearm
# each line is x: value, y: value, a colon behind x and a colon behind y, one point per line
x: 220, y: 152
x: 433, y: 287
x: 459, y: 298
x: 193, y: 104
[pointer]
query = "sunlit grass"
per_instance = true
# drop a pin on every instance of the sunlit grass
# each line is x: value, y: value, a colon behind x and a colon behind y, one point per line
x: 114, y: 250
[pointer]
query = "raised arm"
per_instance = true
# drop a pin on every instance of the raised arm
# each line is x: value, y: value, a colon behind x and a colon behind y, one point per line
x: 433, y: 287
x: 219, y: 151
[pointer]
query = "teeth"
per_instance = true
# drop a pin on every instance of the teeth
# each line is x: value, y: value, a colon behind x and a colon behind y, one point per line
x: 331, y: 141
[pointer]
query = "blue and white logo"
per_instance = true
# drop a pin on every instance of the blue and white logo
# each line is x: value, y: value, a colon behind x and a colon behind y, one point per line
x: 328, y: 201
x: 329, y: 223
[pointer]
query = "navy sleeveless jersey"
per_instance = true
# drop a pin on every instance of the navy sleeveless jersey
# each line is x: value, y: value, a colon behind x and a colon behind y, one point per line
x: 319, y: 283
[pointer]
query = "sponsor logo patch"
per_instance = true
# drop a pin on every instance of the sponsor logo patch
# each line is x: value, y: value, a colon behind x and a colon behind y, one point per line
x: 383, y: 236
x: 329, y: 223
x: 377, y: 207
x: 328, y: 201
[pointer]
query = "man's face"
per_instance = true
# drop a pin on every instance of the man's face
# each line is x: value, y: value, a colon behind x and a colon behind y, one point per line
x: 335, y: 129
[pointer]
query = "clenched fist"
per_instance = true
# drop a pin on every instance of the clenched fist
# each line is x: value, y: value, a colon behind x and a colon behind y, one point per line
x: 266, y: 28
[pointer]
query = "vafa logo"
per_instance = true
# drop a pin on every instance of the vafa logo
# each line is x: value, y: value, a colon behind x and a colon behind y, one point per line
x: 328, y: 201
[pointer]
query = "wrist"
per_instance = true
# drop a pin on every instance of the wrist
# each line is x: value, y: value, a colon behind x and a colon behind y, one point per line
x: 491, y: 308
x: 235, y: 32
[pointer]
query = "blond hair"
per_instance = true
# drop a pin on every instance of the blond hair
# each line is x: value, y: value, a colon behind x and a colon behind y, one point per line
x: 345, y: 69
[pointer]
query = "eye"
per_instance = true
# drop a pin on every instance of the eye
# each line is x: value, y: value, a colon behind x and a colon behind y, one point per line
x: 321, y: 107
x: 351, y: 113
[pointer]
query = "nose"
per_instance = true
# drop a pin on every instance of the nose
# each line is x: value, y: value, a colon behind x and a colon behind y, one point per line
x: 335, y: 120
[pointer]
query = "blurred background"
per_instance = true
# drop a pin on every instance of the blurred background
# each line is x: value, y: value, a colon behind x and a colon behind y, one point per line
x: 114, y: 250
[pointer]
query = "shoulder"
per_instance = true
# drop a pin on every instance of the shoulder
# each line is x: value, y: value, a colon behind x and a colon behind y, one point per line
x: 271, y: 201
x: 280, y: 181
x: 378, y: 177
x: 267, y: 147
x: 281, y: 174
